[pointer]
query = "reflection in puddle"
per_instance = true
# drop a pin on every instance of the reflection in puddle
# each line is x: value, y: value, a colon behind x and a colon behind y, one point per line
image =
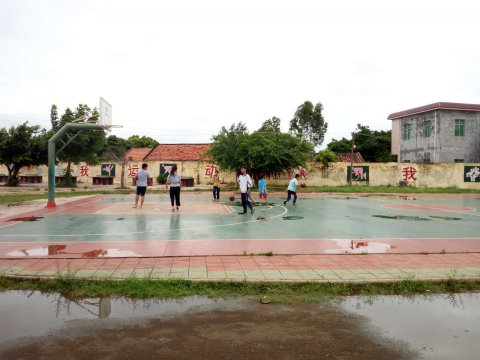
x: 438, y: 326
x: 346, y: 246
x: 446, y: 217
x: 52, y: 250
x: 402, y: 217
x: 36, y: 314
x: 26, y: 218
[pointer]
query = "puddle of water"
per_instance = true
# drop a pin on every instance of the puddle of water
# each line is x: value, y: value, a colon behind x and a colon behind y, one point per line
x: 402, y: 217
x: 27, y: 314
x: 446, y: 217
x: 439, y: 326
x: 52, y: 250
x: 343, y: 198
x: 345, y: 246
x: 292, y: 217
x: 26, y: 218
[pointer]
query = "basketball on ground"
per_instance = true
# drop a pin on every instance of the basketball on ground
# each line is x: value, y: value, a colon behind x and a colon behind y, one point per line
x: 303, y: 185
x: 232, y: 197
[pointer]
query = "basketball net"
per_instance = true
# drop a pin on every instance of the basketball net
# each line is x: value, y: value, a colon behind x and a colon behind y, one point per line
x: 110, y: 127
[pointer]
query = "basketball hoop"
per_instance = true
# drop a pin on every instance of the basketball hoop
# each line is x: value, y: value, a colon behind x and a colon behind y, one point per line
x: 105, y: 118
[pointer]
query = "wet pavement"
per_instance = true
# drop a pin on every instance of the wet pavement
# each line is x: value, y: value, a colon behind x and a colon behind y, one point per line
x: 438, y: 327
x: 386, y: 327
x: 107, y: 226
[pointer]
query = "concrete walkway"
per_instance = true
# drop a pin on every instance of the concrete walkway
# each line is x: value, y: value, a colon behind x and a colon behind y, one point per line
x: 297, y: 268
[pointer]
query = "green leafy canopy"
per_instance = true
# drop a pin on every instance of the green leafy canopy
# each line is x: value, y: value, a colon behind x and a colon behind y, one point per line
x: 267, y: 151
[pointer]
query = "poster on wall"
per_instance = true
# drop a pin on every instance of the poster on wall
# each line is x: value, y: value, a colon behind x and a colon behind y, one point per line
x: 108, y: 170
x: 471, y: 173
x: 358, y: 173
x: 166, y: 168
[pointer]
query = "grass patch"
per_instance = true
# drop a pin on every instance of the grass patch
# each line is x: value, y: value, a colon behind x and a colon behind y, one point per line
x: 274, y: 292
x: 381, y: 189
x: 19, y: 198
x: 368, y: 189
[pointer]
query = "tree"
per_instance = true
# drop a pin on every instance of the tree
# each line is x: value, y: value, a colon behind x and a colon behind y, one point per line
x: 340, y: 146
x: 374, y: 145
x: 88, y: 146
x: 116, y: 150
x: 272, y: 124
x: 326, y: 156
x: 136, y: 141
x: 308, y: 122
x: 21, y: 146
x: 263, y: 152
x: 54, y: 118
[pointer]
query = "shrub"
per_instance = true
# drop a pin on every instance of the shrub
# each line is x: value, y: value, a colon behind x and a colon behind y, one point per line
x: 326, y: 156
x: 162, y: 179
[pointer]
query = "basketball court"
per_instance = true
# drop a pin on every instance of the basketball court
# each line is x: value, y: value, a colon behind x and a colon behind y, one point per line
x: 104, y: 226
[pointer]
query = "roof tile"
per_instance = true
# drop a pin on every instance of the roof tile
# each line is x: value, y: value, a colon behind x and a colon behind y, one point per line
x: 137, y: 154
x: 179, y: 152
x: 434, y: 106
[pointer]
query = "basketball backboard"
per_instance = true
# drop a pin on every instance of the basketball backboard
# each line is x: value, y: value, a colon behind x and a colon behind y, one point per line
x: 105, y: 113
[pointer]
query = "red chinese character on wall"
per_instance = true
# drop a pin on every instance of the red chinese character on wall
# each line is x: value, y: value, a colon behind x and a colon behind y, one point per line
x: 132, y: 170
x: 84, y: 170
x: 211, y: 170
x: 409, y: 173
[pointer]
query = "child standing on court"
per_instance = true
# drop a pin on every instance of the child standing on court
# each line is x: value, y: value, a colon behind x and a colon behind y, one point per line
x: 216, y: 188
x: 174, y: 180
x: 262, y: 190
x: 244, y: 184
x: 141, y: 181
x: 292, y: 190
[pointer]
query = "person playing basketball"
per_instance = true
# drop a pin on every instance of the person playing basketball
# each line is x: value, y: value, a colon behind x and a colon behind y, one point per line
x: 292, y: 190
x: 141, y: 181
x: 262, y: 190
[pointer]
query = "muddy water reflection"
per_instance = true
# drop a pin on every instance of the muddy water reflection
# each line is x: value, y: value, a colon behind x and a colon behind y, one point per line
x: 25, y: 314
x: 438, y: 326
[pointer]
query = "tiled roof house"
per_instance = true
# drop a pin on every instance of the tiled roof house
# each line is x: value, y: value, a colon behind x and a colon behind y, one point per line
x: 178, y: 152
x: 137, y: 154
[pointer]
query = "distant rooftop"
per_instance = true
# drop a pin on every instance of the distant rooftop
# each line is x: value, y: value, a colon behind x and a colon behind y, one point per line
x: 137, y: 154
x: 178, y: 152
x: 346, y: 157
x: 434, y: 106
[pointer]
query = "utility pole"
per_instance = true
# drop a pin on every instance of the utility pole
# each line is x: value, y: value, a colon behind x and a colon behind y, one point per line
x: 351, y: 158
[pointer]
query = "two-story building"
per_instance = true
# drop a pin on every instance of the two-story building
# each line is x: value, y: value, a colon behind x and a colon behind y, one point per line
x: 439, y: 132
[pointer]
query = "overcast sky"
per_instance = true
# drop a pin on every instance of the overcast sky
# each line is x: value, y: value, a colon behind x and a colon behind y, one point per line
x: 179, y: 70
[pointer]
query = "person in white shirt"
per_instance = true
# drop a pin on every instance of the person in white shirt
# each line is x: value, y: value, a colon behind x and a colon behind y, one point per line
x: 244, y: 184
x: 141, y: 181
x: 174, y: 180
x: 292, y: 190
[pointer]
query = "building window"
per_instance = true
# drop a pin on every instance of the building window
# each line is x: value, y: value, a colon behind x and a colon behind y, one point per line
x: 458, y: 160
x: 427, y: 130
x: 459, y: 127
x: 407, y: 131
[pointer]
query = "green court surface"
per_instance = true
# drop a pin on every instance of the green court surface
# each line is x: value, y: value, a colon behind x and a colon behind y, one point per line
x: 317, y: 224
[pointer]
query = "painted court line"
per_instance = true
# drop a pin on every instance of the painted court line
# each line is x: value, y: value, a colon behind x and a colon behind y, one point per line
x: 285, y: 210
x: 431, y: 207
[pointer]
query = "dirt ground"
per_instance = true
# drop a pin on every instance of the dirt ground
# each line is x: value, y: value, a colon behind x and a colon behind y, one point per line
x: 273, y: 331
